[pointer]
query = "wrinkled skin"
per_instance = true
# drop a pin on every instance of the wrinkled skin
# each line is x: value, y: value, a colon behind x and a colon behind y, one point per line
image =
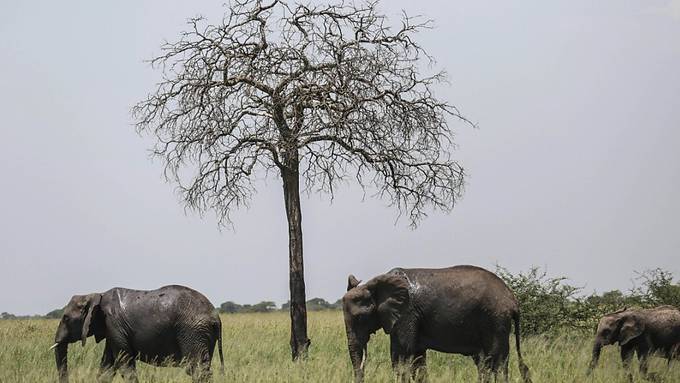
x: 644, y: 332
x: 462, y: 309
x: 169, y: 326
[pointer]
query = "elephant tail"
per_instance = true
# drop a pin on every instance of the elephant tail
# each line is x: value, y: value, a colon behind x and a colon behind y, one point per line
x: 523, y: 369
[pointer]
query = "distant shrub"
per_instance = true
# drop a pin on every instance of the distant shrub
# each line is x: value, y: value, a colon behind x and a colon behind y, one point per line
x: 547, y: 305
x: 230, y: 307
x: 317, y: 304
x: 55, y: 314
x: 613, y: 300
x: 6, y: 315
x: 658, y: 288
x: 262, y: 307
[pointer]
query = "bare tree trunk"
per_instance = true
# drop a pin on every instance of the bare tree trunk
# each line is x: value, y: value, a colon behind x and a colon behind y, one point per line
x: 298, y: 308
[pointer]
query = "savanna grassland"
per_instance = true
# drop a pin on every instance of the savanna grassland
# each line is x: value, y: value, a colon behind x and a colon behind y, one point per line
x: 256, y: 350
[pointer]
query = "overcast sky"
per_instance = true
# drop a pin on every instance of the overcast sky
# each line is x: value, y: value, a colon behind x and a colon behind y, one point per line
x: 575, y: 166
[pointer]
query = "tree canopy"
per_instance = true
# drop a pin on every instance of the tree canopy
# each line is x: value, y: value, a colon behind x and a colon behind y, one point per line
x: 334, y: 83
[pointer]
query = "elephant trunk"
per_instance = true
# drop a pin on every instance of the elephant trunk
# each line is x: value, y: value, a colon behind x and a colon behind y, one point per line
x: 597, y: 348
x: 61, y: 353
x: 61, y: 341
x: 357, y: 354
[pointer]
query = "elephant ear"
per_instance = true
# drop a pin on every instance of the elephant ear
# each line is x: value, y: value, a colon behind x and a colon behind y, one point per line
x: 352, y: 282
x: 390, y: 293
x: 93, y: 324
x: 631, y: 328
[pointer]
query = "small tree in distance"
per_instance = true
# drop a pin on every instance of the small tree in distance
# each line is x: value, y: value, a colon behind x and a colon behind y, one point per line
x: 315, y: 94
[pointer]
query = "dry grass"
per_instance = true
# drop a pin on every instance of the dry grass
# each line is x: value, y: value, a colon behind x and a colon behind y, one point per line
x: 256, y: 350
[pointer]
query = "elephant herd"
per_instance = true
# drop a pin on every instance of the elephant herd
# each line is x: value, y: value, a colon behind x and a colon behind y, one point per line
x: 462, y: 309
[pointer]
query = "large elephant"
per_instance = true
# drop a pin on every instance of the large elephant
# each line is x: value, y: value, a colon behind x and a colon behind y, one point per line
x: 641, y: 331
x: 462, y: 309
x: 169, y: 326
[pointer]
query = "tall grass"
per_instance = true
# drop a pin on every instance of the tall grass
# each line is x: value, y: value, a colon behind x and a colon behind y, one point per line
x: 256, y: 350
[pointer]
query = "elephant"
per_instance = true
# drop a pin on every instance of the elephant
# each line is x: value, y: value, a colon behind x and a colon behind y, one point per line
x: 173, y: 325
x: 461, y: 309
x: 641, y: 331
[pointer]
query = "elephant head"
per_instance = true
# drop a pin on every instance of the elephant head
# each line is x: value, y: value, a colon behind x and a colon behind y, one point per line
x: 621, y: 326
x: 82, y: 318
x: 376, y: 304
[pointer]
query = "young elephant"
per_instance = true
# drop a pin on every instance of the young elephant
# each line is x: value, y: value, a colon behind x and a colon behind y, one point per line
x: 462, y: 309
x: 168, y: 326
x: 639, y: 331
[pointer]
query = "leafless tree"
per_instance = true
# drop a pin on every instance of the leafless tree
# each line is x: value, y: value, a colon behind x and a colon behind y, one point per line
x: 314, y: 94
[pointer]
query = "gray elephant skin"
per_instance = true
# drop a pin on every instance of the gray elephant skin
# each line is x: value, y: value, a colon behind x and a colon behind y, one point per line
x: 642, y: 331
x: 462, y: 309
x: 172, y: 325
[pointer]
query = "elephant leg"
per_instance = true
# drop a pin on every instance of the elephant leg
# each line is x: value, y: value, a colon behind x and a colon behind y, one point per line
x: 627, y: 352
x: 399, y: 363
x: 483, y: 362
x: 477, y: 359
x: 202, y: 372
x: 106, y: 366
x: 673, y: 354
x: 643, y: 361
x: 124, y: 361
x: 197, y: 354
x: 402, y: 355
x: 128, y: 369
x: 499, y: 359
x: 419, y: 367
x: 504, y: 371
x: 500, y: 369
x: 199, y: 372
x: 670, y: 355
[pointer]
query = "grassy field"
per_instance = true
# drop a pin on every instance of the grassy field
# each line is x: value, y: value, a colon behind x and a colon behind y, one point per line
x: 256, y: 350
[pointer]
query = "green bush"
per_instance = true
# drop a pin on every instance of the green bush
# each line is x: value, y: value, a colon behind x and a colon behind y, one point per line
x: 230, y: 307
x: 317, y: 304
x: 658, y: 288
x: 55, y: 314
x: 550, y: 305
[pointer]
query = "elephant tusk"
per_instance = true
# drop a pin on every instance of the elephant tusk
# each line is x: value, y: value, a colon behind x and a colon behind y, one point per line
x: 54, y: 345
x: 363, y: 359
